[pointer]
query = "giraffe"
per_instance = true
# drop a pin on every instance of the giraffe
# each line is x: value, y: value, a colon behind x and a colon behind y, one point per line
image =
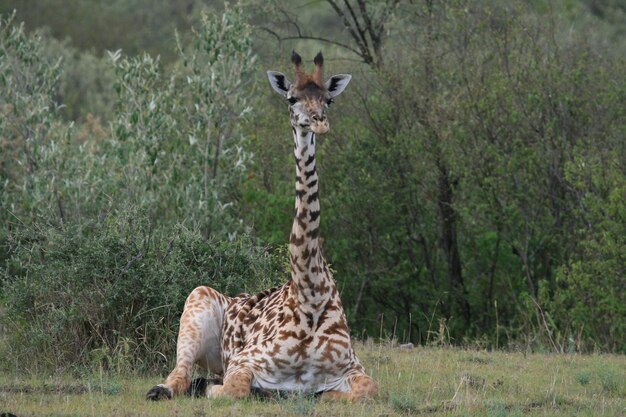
x: 293, y: 337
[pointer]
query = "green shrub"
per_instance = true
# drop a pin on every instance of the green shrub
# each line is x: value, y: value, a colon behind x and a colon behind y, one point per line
x: 590, y: 302
x: 113, y: 298
x: 85, y: 85
x: 100, y: 230
x: 177, y: 135
x: 583, y: 378
x: 610, y: 381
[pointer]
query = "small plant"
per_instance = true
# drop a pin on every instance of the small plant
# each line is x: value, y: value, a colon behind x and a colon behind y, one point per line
x: 299, y: 404
x: 501, y: 409
x: 440, y: 337
x: 609, y: 380
x: 583, y: 378
x: 106, y: 386
x: 404, y: 404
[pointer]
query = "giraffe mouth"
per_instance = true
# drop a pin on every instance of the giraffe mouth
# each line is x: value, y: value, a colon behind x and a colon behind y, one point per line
x: 320, y: 128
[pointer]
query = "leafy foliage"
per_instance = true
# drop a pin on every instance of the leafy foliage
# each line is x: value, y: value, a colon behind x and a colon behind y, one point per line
x: 112, y: 299
x: 450, y: 189
x: 105, y: 213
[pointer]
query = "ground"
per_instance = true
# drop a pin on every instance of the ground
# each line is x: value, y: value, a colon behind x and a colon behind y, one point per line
x: 420, y: 381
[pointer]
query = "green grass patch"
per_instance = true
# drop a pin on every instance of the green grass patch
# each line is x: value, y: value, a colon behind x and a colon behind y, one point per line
x: 421, y: 381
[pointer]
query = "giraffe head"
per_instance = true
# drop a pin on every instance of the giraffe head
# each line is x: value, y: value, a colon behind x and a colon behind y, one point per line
x: 309, y: 95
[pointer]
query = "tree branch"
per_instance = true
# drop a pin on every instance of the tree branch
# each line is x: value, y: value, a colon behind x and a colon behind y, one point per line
x: 313, y: 38
x: 367, y: 57
x: 356, y: 24
x: 366, y: 19
x: 365, y: 30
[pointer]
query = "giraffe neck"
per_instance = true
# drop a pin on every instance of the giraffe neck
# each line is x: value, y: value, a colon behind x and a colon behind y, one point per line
x: 311, y: 278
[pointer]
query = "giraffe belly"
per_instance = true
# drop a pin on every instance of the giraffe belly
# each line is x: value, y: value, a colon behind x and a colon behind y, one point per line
x: 307, y: 382
x: 312, y: 370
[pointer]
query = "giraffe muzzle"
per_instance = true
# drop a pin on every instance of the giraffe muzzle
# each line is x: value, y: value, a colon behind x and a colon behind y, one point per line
x: 319, y: 126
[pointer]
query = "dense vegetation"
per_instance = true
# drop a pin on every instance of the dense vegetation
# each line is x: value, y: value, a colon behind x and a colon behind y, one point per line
x: 473, y: 183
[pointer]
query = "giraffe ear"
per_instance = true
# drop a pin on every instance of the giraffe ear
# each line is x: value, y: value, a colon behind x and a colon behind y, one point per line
x: 337, y: 83
x: 279, y: 82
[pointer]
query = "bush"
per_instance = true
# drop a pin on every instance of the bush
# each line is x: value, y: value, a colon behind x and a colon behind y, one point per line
x: 105, y: 233
x: 174, y: 146
x: 590, y: 304
x: 113, y: 298
x: 85, y: 86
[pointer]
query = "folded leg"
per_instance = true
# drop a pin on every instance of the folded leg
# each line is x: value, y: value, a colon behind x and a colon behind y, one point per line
x: 361, y: 387
x: 236, y: 384
x: 199, y: 341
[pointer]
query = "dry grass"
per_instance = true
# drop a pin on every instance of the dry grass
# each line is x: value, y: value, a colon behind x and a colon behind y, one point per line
x: 422, y: 381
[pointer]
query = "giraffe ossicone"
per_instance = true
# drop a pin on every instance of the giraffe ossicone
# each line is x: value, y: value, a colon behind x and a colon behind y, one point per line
x: 293, y: 337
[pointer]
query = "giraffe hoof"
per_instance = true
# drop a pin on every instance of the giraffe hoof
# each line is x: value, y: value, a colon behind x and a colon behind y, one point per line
x: 199, y: 386
x: 158, y: 393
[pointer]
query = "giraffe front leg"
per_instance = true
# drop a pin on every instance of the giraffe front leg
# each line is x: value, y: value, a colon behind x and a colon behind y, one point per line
x: 198, y: 342
x: 236, y: 385
x: 336, y: 395
x: 362, y: 387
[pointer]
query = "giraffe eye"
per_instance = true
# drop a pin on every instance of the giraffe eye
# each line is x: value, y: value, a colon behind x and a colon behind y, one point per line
x: 329, y: 102
x: 292, y: 100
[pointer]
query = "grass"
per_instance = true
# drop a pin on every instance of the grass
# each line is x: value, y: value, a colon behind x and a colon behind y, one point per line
x: 421, y: 381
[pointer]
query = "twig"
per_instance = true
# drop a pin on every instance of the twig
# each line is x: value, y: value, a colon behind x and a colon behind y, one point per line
x: 130, y: 263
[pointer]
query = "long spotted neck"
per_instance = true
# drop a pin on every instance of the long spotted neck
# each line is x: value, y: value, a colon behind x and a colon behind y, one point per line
x: 310, y: 275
